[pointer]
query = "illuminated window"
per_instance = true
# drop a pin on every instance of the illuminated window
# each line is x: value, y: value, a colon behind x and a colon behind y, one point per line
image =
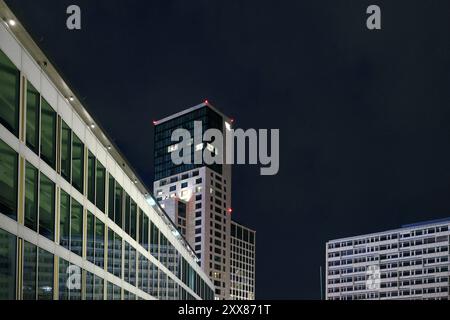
x: 184, y: 194
x: 199, y: 147
x: 172, y: 148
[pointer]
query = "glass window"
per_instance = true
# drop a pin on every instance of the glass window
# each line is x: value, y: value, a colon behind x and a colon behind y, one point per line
x: 127, y: 264
x: 47, y: 207
x: 145, y: 231
x: 9, y: 94
x: 89, y: 286
x: 154, y: 240
x: 133, y: 220
x: 132, y: 266
x: 45, y: 275
x: 7, y: 266
x: 48, y: 133
x: 77, y: 163
x: 64, y: 293
x: 114, y: 254
x: 33, y: 106
x: 110, y: 291
x: 141, y: 227
x: 98, y: 289
x: 163, y: 249
x: 144, y: 274
x: 91, y: 178
x: 66, y: 146
x: 127, y: 214
x: 64, y: 220
x: 99, y: 243
x: 118, y: 205
x: 90, y: 237
x: 117, y: 292
x: 31, y: 196
x: 94, y: 287
x: 29, y: 271
x: 8, y: 181
x: 69, y: 281
x: 76, y: 228
x: 117, y: 256
x: 100, y: 175
x: 111, y: 193
x: 141, y: 270
x: 110, y: 251
x: 154, y: 278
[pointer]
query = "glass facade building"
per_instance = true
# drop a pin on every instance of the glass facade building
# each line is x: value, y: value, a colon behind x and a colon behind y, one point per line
x: 242, y: 273
x: 75, y: 222
x: 164, y: 167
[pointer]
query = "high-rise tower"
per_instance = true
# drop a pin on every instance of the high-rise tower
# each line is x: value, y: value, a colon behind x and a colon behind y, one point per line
x: 197, y: 196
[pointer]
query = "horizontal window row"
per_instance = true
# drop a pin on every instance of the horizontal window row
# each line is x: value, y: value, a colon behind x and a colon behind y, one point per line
x: 387, y: 237
x: 39, y: 277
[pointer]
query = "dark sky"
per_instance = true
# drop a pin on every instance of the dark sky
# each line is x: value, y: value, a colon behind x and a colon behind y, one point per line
x: 364, y: 116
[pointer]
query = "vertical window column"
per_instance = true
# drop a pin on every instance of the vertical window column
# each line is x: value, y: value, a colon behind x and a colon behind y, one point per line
x: 91, y: 177
x: 48, y: 134
x: 33, y: 118
x: 111, y: 196
x: 45, y: 275
x: 47, y: 207
x: 76, y: 228
x: 100, y: 177
x: 31, y: 196
x: 66, y: 151
x: 9, y: 94
x: 8, y: 243
x: 77, y: 163
x: 8, y: 181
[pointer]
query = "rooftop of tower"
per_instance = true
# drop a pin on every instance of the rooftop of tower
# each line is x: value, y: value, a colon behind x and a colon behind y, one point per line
x: 191, y: 109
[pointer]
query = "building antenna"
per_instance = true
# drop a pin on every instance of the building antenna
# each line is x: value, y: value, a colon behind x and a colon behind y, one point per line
x: 321, y: 285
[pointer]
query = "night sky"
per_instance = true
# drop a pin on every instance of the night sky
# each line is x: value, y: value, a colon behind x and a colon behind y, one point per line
x: 364, y: 116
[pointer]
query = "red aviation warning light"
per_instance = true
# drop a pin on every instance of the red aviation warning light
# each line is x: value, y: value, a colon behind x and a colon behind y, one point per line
x: 230, y: 210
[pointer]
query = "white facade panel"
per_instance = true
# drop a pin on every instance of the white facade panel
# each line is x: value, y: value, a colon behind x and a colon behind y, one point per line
x: 78, y: 127
x: 10, y: 47
x: 65, y: 110
x: 31, y: 70
x: 48, y: 92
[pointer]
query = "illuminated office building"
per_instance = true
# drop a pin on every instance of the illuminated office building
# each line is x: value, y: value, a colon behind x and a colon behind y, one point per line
x: 76, y: 222
x: 197, y: 196
x: 242, y: 274
x: 407, y: 263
